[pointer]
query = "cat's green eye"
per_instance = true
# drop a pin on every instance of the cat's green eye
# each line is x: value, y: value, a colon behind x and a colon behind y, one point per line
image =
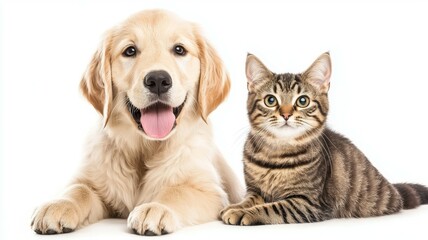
x: 271, y: 101
x: 303, y: 101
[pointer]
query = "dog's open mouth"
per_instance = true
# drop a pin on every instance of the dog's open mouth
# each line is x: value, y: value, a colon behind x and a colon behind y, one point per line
x: 156, y: 120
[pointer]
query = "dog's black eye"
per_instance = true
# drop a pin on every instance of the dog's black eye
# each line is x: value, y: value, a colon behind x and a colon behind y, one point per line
x: 179, y: 50
x: 129, y: 51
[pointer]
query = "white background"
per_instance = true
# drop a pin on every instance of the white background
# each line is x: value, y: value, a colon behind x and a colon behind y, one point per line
x: 378, y: 96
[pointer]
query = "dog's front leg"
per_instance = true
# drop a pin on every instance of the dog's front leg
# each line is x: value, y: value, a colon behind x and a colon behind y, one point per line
x: 80, y: 205
x: 188, y: 203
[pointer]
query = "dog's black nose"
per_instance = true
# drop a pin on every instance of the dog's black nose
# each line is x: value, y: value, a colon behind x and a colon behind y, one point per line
x: 158, y: 82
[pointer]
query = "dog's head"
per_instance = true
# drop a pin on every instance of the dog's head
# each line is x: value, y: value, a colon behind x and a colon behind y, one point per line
x: 151, y: 70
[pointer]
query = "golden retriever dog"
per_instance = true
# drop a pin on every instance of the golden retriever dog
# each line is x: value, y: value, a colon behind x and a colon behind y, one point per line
x: 154, y: 80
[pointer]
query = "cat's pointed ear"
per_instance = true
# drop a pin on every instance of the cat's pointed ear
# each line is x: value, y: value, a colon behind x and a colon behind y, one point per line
x: 319, y: 73
x: 255, y: 71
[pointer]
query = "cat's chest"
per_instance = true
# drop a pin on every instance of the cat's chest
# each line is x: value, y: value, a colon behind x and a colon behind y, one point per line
x: 276, y: 183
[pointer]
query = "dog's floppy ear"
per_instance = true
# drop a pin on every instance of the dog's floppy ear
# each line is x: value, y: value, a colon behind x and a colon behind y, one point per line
x: 96, y: 84
x: 214, y: 82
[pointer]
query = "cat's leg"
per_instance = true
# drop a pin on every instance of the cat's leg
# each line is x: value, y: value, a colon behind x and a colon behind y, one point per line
x: 291, y: 210
x: 251, y: 199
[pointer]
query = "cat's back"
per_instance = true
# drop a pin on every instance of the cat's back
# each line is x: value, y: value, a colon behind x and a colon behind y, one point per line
x: 336, y: 140
x: 341, y: 150
x: 354, y: 186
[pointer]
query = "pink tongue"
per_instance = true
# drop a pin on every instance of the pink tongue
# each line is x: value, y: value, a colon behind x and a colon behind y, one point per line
x: 157, y: 120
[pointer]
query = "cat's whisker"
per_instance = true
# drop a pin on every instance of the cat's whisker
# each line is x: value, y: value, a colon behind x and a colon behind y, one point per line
x: 240, y: 135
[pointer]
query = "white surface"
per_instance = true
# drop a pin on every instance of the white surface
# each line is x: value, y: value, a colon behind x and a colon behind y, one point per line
x: 408, y: 224
x: 378, y: 96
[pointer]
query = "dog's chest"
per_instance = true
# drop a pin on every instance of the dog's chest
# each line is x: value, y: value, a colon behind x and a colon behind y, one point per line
x: 122, y: 186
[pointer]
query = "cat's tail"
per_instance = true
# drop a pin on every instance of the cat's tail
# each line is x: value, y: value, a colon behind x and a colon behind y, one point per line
x: 412, y: 195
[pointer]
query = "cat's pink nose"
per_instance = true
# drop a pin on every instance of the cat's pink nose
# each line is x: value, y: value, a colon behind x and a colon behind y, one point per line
x: 286, y: 116
x: 286, y: 111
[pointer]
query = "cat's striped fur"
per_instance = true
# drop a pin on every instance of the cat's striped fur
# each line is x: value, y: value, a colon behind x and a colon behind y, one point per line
x: 296, y: 169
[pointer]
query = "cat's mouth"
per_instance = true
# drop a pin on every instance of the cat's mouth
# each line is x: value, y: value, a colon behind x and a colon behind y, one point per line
x: 286, y: 125
x: 158, y: 120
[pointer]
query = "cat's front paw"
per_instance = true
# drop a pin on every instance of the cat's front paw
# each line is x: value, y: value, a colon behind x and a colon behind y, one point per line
x: 233, y: 206
x: 241, y: 217
x: 152, y: 219
x: 59, y: 216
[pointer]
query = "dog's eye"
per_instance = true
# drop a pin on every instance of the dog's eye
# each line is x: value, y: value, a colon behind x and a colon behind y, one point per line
x: 129, y: 51
x: 179, y: 50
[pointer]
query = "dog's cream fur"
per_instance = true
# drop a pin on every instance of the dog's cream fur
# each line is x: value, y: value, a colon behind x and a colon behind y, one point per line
x: 159, y: 185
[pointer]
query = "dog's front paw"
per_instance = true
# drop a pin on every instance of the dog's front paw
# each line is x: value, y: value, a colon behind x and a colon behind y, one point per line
x: 151, y: 219
x: 59, y: 216
x: 242, y: 217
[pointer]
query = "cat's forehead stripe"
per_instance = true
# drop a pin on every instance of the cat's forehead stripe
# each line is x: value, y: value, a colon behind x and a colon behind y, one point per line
x: 287, y: 82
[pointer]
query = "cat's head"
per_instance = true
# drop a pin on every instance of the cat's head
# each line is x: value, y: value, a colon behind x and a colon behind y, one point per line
x: 289, y: 106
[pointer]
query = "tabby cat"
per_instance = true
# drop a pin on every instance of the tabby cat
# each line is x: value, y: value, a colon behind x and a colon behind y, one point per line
x: 296, y: 169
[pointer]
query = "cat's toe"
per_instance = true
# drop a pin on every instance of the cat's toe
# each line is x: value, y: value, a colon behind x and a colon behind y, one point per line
x: 233, y: 216
x: 243, y: 217
x: 222, y: 212
x: 249, y: 219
